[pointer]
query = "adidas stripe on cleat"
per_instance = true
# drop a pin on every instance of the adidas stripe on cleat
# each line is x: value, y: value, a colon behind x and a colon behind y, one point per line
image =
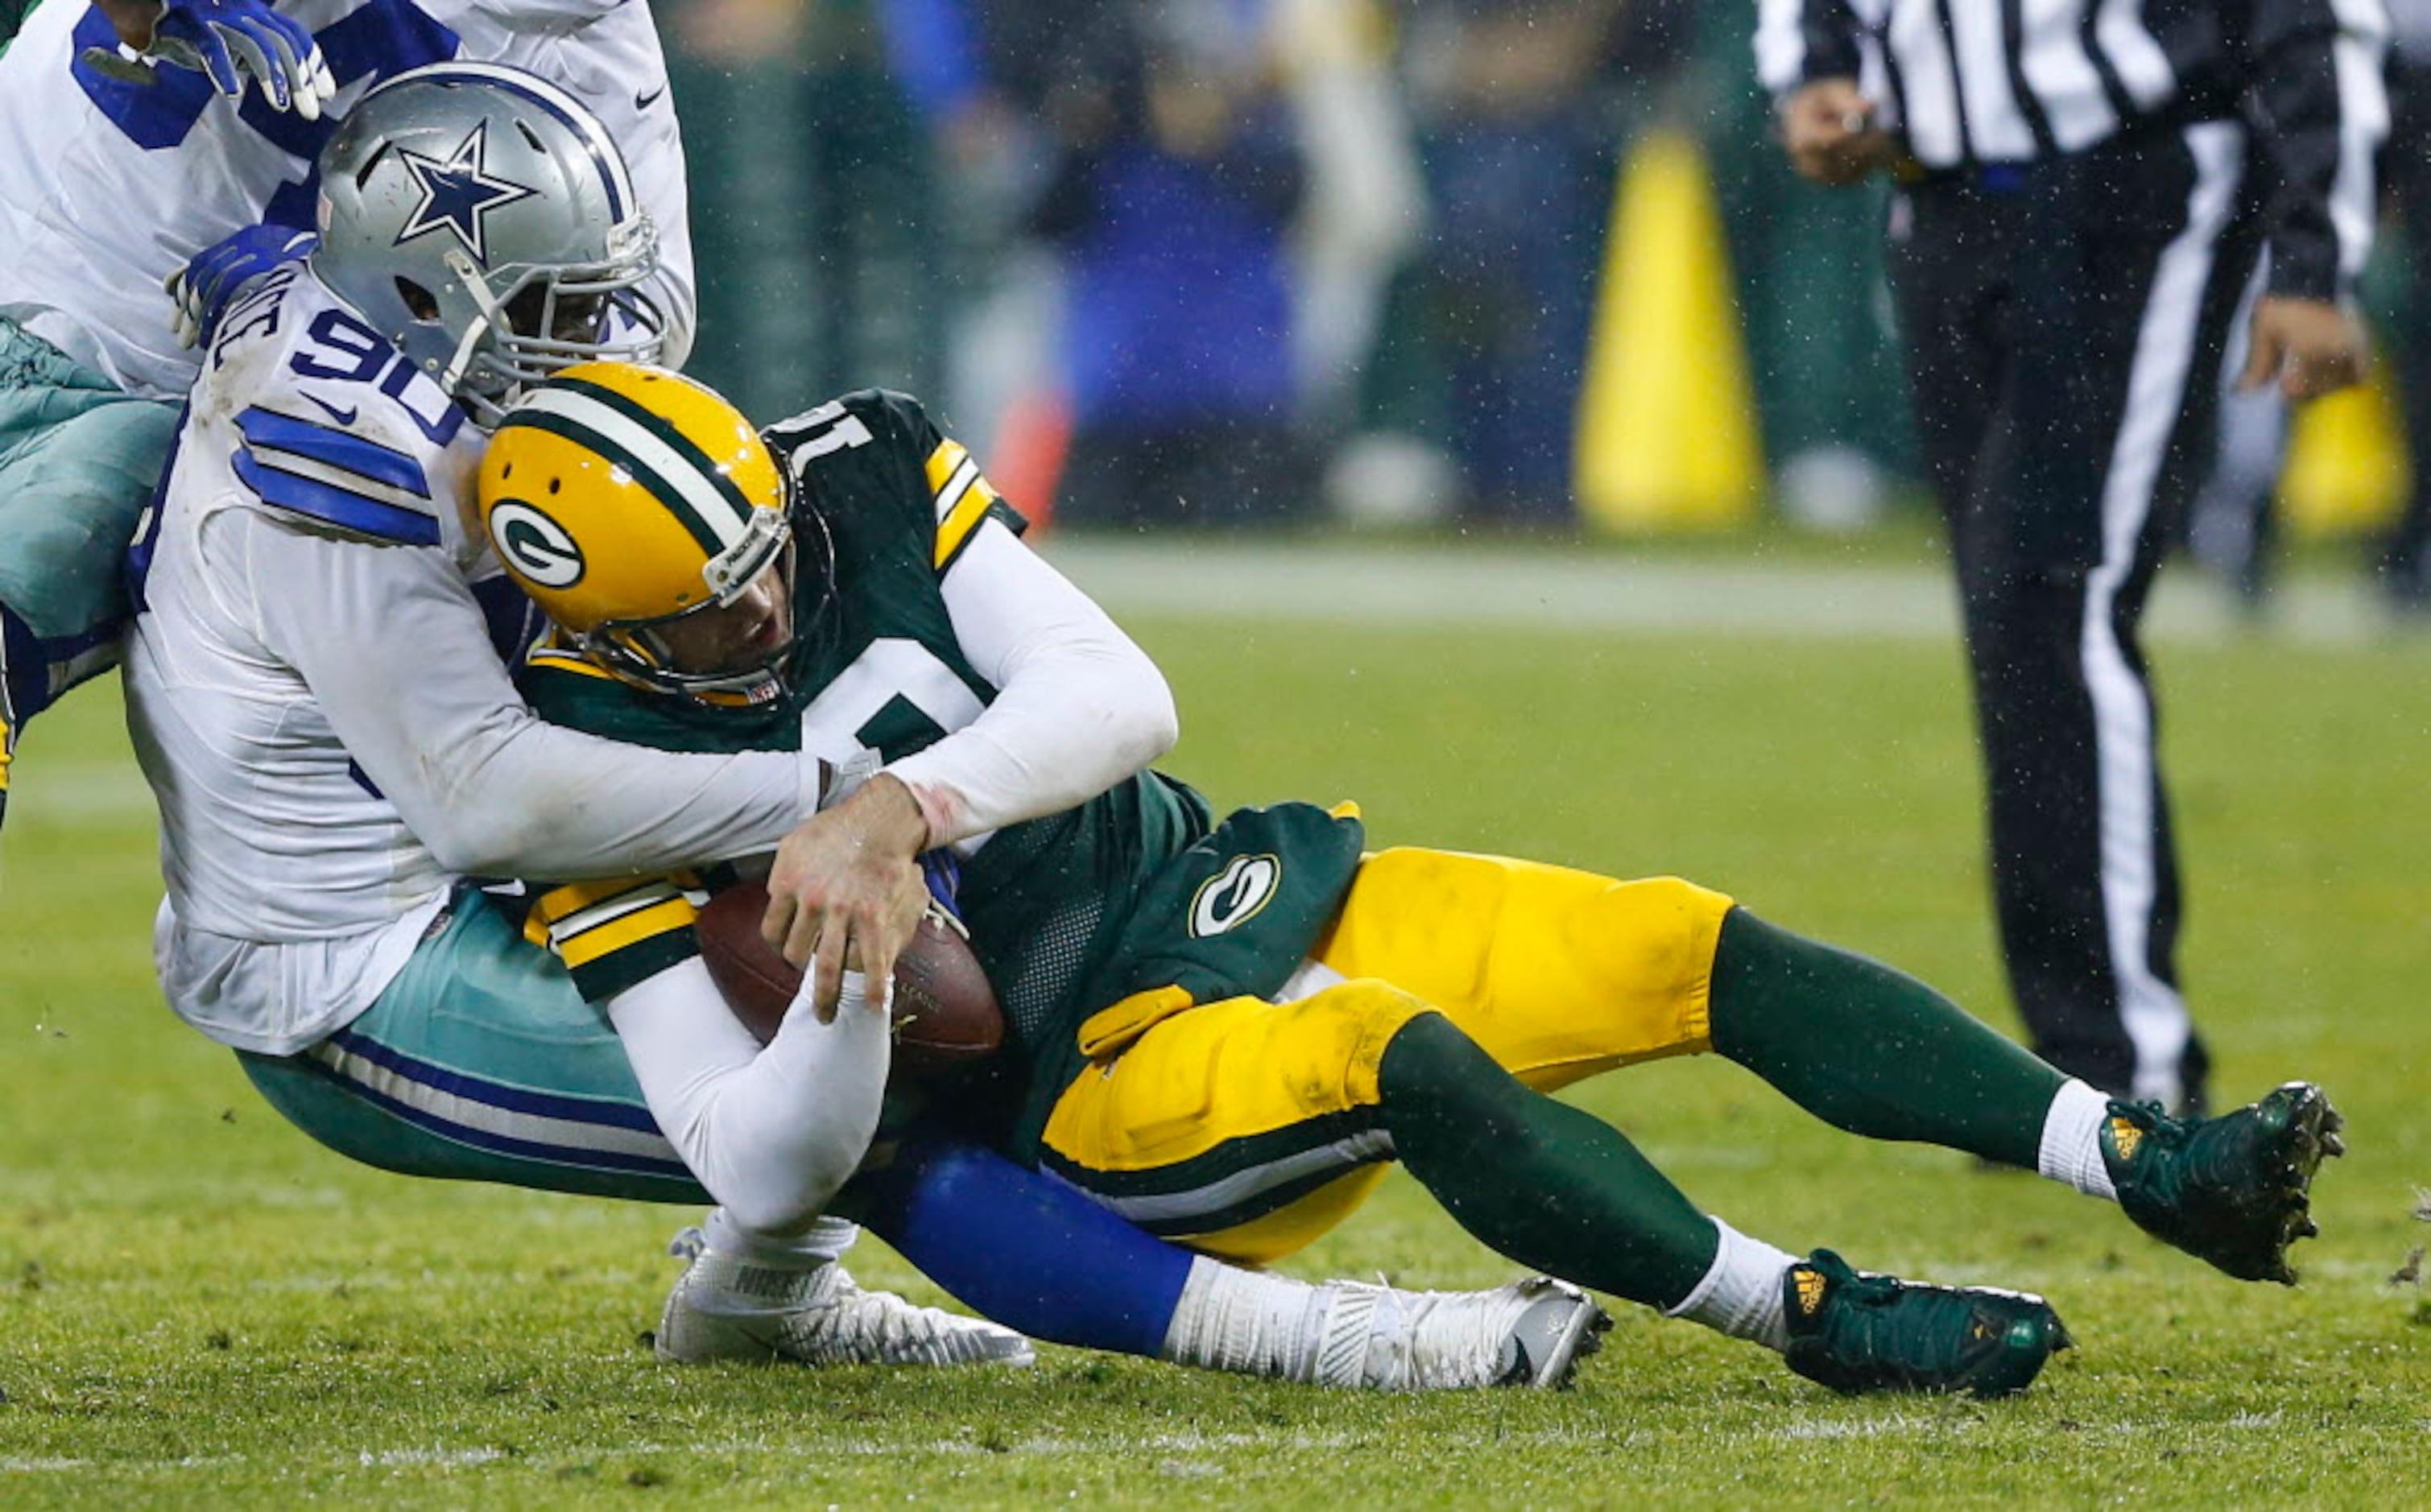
x: 2236, y: 1190
x: 1856, y: 1332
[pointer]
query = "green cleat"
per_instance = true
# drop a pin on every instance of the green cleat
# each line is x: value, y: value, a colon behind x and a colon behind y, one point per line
x: 2235, y: 1190
x: 1854, y: 1332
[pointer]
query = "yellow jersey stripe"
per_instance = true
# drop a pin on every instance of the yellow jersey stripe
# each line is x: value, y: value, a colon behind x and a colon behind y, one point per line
x: 955, y: 488
x: 573, y: 898
x: 605, y: 940
x: 567, y: 661
x: 609, y: 910
x: 950, y: 454
x: 977, y: 501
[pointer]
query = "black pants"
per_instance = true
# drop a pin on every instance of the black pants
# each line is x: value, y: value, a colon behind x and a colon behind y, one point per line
x: 2064, y: 332
x: 2406, y: 164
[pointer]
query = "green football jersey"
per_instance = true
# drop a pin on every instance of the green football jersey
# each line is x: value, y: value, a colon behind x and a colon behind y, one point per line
x: 1131, y: 891
x: 879, y: 670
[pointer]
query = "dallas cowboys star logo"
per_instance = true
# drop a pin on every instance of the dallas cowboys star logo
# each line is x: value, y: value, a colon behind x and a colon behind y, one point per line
x: 458, y: 193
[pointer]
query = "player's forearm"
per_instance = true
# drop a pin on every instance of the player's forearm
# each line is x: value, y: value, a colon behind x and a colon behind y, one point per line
x: 1079, y: 725
x: 395, y: 653
x: 537, y: 801
x: 1078, y: 706
x: 771, y: 1133
x: 494, y: 791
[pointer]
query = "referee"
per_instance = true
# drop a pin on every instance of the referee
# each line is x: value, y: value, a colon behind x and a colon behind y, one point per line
x: 2405, y: 555
x: 2084, y: 188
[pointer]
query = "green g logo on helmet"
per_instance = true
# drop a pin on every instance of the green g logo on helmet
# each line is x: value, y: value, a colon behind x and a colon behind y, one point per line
x: 535, y: 547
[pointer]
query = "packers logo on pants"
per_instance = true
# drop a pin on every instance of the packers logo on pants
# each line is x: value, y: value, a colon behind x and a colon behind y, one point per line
x: 1245, y: 1128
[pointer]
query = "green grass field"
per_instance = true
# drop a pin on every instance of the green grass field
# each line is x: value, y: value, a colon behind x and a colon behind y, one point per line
x: 199, y: 1308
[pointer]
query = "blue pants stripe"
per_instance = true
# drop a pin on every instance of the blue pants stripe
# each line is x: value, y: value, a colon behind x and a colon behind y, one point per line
x: 572, y: 1108
x: 481, y: 1062
x: 495, y: 1139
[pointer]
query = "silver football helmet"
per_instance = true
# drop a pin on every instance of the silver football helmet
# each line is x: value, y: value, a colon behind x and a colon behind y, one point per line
x: 482, y: 220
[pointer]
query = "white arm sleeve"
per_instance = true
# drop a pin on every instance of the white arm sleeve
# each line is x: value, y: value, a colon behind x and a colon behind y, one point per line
x: 394, y: 651
x: 1078, y: 707
x: 771, y: 1133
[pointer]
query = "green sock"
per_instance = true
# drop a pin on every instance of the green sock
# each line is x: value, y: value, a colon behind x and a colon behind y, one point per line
x: 1870, y: 1051
x: 1536, y: 1179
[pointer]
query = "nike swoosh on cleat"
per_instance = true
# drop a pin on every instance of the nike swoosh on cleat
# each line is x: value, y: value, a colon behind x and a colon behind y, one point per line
x: 643, y: 102
x: 343, y: 417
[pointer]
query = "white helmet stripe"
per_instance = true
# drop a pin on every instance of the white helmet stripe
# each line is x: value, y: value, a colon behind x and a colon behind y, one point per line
x: 566, y: 107
x: 715, y: 508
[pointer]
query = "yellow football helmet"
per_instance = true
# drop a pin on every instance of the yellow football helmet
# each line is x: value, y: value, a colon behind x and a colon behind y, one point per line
x: 624, y: 498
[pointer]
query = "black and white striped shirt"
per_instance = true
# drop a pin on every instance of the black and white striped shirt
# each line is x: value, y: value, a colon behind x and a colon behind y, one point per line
x: 1972, y: 83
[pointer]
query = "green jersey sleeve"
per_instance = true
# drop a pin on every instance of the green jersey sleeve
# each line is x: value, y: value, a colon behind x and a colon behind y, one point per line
x: 876, y: 465
x: 616, y: 934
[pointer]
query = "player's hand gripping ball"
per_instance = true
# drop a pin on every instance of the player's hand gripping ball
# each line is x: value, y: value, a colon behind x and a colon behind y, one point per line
x: 946, y: 1019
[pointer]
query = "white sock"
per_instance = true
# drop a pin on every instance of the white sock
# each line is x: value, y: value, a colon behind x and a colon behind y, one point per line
x: 825, y: 1240
x: 743, y: 1268
x: 1247, y: 1323
x: 2072, y: 1146
x: 1740, y: 1294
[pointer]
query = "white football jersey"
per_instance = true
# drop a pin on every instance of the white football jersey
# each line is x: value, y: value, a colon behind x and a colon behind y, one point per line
x: 316, y: 690
x: 106, y: 188
x: 272, y: 833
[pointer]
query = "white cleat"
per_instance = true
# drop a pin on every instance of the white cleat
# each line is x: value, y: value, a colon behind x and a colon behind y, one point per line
x: 1528, y: 1334
x: 722, y: 1309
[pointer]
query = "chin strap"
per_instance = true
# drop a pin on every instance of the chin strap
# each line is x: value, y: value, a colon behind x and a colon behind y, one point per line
x: 626, y: 655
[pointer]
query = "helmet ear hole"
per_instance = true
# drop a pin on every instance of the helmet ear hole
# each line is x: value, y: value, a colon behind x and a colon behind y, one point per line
x: 421, y: 301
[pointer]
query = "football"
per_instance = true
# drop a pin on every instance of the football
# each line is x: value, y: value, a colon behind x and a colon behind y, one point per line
x: 946, y: 1019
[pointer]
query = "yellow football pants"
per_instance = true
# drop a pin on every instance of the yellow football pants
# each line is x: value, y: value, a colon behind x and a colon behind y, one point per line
x: 1247, y: 1129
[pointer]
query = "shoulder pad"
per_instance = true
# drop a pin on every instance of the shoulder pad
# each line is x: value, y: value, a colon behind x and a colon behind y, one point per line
x: 866, y: 419
x: 335, y: 437
x: 335, y: 479
x: 927, y: 480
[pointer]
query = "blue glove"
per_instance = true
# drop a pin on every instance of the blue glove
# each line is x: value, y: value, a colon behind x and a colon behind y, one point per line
x: 943, y: 870
x: 202, y: 289
x: 229, y: 39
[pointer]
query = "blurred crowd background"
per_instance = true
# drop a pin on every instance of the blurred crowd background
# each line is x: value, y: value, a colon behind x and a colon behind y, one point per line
x: 1218, y: 263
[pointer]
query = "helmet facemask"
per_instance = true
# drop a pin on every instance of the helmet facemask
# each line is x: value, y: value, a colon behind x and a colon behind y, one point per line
x: 662, y: 534
x: 531, y: 321
x: 638, y: 651
x: 482, y: 220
